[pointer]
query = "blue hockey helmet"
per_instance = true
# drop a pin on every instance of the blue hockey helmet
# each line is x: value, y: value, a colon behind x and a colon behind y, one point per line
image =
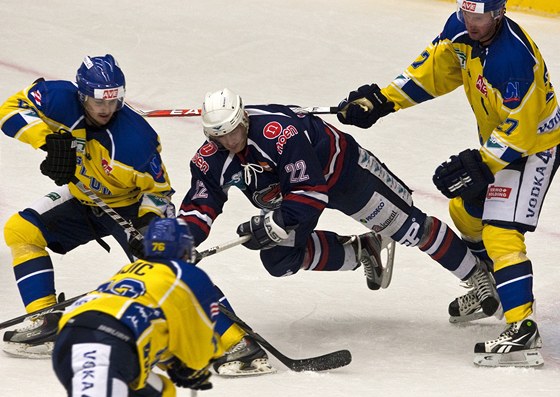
x: 169, y: 238
x: 480, y: 7
x: 101, y: 78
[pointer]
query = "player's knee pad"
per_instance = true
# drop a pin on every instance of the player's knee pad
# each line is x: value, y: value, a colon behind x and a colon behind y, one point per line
x: 506, y: 247
x: 282, y: 261
x: 24, y: 239
x: 413, y: 229
x: 468, y: 224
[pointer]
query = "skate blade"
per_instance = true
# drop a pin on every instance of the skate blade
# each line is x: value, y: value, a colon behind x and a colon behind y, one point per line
x: 523, y: 358
x: 22, y: 350
x: 469, y: 317
x: 389, y: 246
x: 235, y: 368
x: 478, y: 315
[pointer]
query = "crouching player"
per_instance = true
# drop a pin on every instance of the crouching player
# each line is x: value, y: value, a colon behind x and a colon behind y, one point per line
x: 159, y: 311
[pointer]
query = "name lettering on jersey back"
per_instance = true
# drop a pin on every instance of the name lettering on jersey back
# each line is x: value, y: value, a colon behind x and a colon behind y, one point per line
x: 274, y: 130
x: 481, y: 86
x: 138, y: 268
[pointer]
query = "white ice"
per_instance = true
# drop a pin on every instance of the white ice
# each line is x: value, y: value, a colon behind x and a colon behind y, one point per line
x: 309, y: 53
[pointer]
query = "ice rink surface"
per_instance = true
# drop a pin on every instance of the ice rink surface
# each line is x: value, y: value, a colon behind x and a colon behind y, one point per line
x: 309, y: 53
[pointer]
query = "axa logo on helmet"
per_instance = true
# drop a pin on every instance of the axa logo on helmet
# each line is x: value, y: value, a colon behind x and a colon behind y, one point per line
x: 111, y: 94
x: 108, y: 93
x: 468, y: 6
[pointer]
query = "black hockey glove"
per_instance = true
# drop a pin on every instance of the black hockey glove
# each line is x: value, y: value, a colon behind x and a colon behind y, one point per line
x: 265, y: 230
x: 186, y: 377
x: 463, y: 175
x: 60, y: 164
x: 136, y: 244
x: 364, y: 107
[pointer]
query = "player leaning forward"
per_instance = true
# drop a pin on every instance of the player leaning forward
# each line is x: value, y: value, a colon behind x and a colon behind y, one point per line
x: 89, y: 134
x: 156, y: 312
x: 292, y: 166
x: 497, y: 191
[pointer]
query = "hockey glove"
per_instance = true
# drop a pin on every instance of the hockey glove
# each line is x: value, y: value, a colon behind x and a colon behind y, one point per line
x: 364, y: 107
x: 186, y: 377
x: 265, y: 230
x: 463, y: 175
x: 136, y: 243
x: 60, y: 164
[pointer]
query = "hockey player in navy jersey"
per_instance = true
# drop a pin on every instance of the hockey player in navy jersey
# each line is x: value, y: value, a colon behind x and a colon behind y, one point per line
x: 89, y: 135
x: 498, y: 190
x: 292, y: 166
x: 156, y: 312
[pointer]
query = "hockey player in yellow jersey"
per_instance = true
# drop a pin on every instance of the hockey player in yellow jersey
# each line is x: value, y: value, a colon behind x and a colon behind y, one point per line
x: 89, y: 135
x: 496, y: 191
x: 158, y: 311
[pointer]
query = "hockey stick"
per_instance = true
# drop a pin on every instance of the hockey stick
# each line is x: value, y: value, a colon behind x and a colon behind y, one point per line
x: 126, y: 225
x: 61, y: 305
x: 333, y: 360
x: 192, y: 112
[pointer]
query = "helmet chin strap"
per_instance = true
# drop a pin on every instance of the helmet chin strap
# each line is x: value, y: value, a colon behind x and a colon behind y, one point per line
x: 496, y: 29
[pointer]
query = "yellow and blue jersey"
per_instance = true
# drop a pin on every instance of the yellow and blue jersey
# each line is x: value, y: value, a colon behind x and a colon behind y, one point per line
x: 170, y: 306
x: 120, y: 161
x: 506, y: 83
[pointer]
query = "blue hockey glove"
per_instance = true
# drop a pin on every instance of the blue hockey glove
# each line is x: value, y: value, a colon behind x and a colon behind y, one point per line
x: 364, y: 107
x: 186, y: 377
x: 463, y: 175
x: 266, y: 231
x: 60, y: 164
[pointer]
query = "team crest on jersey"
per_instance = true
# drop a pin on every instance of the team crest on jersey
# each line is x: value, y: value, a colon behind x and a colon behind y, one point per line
x: 37, y: 97
x: 209, y: 149
x: 268, y: 198
x: 106, y: 166
x: 512, y: 92
x: 155, y: 165
x: 481, y: 86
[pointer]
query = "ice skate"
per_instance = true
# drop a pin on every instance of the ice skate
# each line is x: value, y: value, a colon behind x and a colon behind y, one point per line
x: 244, y: 358
x: 480, y: 302
x: 368, y: 247
x: 517, y: 346
x: 35, y: 340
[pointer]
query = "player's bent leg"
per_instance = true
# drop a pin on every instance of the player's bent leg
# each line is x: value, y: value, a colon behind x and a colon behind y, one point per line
x: 35, y: 279
x: 519, y: 343
x: 243, y: 354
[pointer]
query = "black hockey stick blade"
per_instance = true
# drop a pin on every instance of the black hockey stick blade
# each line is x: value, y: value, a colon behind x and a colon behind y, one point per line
x: 337, y: 359
x: 40, y: 312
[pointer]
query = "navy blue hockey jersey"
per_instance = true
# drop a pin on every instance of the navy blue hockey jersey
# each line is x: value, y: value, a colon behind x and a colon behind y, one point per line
x: 291, y: 163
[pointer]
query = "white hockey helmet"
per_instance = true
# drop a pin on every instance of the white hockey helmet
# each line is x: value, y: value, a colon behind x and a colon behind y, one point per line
x: 222, y: 112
